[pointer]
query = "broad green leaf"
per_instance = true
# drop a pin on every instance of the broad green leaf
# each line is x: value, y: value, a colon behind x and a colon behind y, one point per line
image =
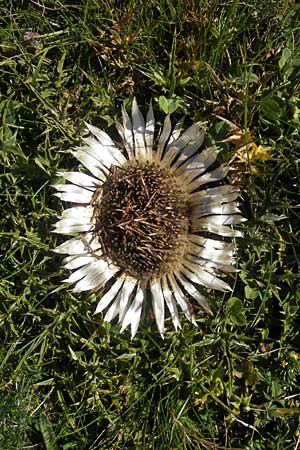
x: 168, y: 105
x: 250, y: 293
x: 272, y: 107
x: 236, y: 316
x: 285, y: 57
x: 234, y: 304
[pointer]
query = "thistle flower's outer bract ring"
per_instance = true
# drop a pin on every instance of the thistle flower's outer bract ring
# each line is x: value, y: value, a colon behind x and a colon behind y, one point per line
x: 147, y: 221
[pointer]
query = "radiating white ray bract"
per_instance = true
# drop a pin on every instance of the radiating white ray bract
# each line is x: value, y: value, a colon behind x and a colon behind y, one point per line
x: 212, y: 211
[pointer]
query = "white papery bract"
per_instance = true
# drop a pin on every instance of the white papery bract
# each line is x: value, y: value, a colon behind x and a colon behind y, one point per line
x: 151, y: 220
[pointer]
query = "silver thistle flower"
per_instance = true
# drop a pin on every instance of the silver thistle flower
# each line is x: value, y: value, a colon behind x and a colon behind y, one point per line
x: 147, y: 220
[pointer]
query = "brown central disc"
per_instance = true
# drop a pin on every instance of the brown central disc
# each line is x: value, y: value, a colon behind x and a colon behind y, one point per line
x: 142, y: 219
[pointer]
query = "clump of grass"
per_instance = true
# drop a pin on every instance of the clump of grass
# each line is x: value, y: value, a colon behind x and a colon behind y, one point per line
x: 70, y: 381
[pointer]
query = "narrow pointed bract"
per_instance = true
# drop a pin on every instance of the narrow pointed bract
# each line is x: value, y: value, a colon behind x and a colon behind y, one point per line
x: 146, y: 221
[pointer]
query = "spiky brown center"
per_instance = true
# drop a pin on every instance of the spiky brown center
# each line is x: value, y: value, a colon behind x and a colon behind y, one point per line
x: 142, y: 219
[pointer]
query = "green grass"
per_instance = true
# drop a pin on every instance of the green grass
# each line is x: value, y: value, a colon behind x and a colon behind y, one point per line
x: 69, y: 381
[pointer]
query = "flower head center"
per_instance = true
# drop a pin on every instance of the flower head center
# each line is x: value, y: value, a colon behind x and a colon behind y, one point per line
x: 142, y: 219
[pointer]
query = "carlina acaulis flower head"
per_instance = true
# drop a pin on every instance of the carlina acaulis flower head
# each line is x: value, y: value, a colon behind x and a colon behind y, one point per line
x: 148, y: 221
